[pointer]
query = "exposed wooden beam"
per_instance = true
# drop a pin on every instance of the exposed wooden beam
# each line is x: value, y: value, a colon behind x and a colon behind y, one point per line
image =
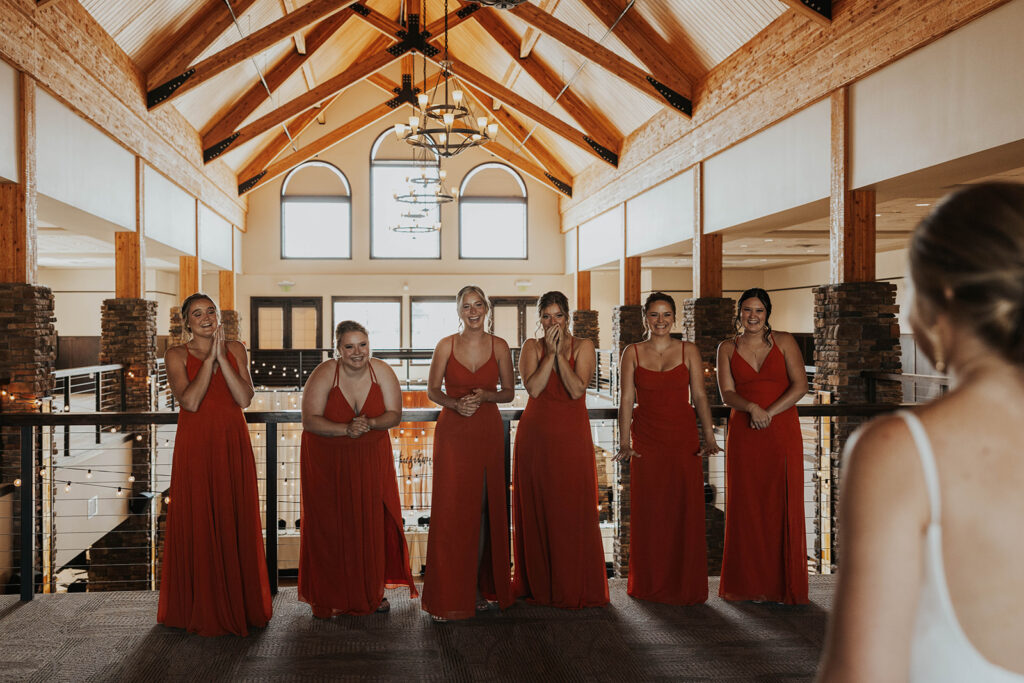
x: 629, y: 279
x: 239, y: 110
x: 282, y: 141
x: 582, y: 288
x: 299, y: 39
x: 851, y: 212
x: 182, y: 48
x: 819, y: 11
x: 593, y: 123
x: 677, y: 62
x: 467, y: 11
x: 18, y: 229
x: 677, y: 94
x: 707, y: 248
x: 130, y: 247
x: 532, y: 35
x: 314, y: 148
x: 520, y: 162
x: 369, y: 61
x: 188, y: 276
x: 530, y: 109
x: 226, y: 293
x: 247, y: 47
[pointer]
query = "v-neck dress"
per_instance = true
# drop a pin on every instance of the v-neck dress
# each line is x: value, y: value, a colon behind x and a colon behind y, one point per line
x: 765, y: 555
x: 558, y: 549
x: 352, y: 542
x: 668, y: 542
x: 469, y: 458
x: 214, y: 576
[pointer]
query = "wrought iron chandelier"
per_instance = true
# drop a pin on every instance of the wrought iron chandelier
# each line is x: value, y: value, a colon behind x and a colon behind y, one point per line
x: 425, y: 190
x: 499, y: 4
x: 444, y: 121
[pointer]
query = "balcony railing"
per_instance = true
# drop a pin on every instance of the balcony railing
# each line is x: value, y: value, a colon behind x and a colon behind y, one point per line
x: 91, y: 512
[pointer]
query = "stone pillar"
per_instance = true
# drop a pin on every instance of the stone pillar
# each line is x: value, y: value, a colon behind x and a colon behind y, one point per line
x: 585, y: 326
x: 231, y: 321
x: 855, y: 330
x: 176, y: 333
x: 706, y: 322
x: 121, y: 559
x: 627, y: 328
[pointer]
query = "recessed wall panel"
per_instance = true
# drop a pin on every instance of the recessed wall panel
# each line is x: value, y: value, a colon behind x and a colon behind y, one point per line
x: 601, y: 239
x: 8, y: 123
x: 214, y: 238
x: 170, y: 213
x: 661, y: 216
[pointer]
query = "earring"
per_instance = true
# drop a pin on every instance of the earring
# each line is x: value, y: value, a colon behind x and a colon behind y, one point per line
x: 940, y: 362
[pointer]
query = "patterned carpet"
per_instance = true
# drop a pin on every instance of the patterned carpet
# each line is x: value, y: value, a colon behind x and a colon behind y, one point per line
x: 113, y: 637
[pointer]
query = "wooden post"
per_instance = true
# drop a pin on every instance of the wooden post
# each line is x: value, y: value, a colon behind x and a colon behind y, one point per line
x: 188, y: 276
x: 226, y: 297
x: 130, y: 247
x: 18, y: 258
x: 851, y: 212
x: 582, y: 290
x: 629, y: 281
x: 707, y: 249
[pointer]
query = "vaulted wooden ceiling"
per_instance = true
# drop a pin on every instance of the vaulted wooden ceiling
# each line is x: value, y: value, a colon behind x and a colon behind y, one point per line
x: 566, y: 80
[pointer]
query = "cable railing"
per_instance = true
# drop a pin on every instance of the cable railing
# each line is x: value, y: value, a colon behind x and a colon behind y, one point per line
x: 93, y: 519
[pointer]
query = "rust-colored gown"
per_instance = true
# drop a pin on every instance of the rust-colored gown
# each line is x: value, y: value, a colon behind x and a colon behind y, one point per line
x: 214, y: 576
x: 352, y: 540
x: 556, y: 531
x: 765, y: 556
x: 469, y: 457
x: 668, y: 547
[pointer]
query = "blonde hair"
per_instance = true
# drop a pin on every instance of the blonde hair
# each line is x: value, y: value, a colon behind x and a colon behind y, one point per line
x: 475, y: 290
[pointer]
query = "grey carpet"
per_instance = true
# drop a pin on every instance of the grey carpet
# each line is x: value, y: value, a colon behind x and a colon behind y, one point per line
x: 114, y: 637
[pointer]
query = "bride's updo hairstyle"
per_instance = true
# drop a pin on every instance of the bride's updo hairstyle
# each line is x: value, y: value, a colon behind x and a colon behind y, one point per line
x: 967, y: 260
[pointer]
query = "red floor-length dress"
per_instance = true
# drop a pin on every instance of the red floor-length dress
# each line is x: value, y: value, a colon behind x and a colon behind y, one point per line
x: 352, y: 539
x: 668, y: 546
x: 765, y: 556
x: 214, y: 576
x: 468, y: 459
x: 557, y: 535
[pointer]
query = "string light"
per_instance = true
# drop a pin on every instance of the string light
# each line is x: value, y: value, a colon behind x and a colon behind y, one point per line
x: 88, y: 474
x: 67, y: 487
x: 131, y: 478
x: 17, y: 483
x: 119, y: 491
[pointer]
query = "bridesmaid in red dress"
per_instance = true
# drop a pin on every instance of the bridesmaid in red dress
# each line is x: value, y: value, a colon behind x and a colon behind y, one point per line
x: 467, y: 546
x: 558, y: 550
x: 353, y: 545
x: 668, y: 543
x: 214, y: 576
x: 761, y: 377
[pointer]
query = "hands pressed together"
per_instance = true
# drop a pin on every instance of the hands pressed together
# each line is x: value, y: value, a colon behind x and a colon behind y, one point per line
x: 357, y: 427
x: 468, y: 404
x: 759, y: 417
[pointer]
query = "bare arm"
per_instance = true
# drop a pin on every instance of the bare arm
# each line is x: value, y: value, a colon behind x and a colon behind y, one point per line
x: 699, y: 396
x: 314, y: 402
x: 392, y: 392
x: 239, y: 382
x: 759, y: 417
x: 508, y: 388
x: 576, y: 379
x: 627, y: 399
x: 794, y: 370
x: 884, y: 515
x: 535, y: 370
x: 189, y: 394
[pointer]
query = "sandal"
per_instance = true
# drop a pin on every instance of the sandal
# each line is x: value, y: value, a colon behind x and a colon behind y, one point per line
x: 438, y: 620
x: 482, y: 605
x: 384, y: 606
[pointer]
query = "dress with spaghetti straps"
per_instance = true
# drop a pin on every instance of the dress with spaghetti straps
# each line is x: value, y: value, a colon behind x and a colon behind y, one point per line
x: 940, y: 650
x: 469, y: 458
x: 352, y: 543
x: 765, y: 555
x: 668, y: 543
x: 214, y: 576
x: 559, y: 556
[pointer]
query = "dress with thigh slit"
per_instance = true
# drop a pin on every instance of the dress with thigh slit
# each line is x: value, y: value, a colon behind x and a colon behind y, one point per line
x: 668, y: 543
x: 468, y: 459
x: 559, y: 556
x: 765, y: 555
x: 214, y: 576
x: 352, y: 540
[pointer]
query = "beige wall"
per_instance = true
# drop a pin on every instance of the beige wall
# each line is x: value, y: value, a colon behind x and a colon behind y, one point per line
x: 79, y: 293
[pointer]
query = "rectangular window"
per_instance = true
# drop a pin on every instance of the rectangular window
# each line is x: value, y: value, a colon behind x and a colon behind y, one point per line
x: 316, y: 227
x: 432, y: 319
x: 390, y: 180
x: 492, y: 227
x: 382, y: 318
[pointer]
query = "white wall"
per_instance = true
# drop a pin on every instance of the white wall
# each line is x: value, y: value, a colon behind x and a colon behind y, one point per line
x: 8, y: 122
x: 782, y: 167
x: 78, y: 165
x: 961, y: 94
x: 601, y: 238
x: 215, y: 238
x: 78, y: 296
x: 170, y: 213
x: 661, y: 216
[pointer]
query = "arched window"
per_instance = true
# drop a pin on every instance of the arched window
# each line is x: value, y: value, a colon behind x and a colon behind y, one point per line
x: 316, y: 213
x: 492, y: 213
x: 391, y: 167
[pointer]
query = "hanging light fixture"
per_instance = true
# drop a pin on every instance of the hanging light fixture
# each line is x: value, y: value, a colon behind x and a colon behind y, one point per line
x: 425, y: 190
x: 444, y: 122
x: 499, y: 4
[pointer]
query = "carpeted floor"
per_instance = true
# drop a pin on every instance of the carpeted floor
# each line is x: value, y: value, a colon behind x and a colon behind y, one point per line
x: 112, y: 636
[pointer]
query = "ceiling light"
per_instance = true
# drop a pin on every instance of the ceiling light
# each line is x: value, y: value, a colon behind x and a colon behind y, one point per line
x: 925, y: 204
x: 499, y: 4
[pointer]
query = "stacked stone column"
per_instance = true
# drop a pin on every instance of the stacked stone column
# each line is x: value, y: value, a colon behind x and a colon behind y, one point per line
x: 585, y: 326
x: 231, y: 321
x: 855, y: 331
x: 121, y: 559
x: 28, y: 354
x: 627, y: 328
x: 706, y: 322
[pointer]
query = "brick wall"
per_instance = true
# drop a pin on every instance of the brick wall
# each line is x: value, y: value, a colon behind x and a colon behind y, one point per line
x: 627, y: 328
